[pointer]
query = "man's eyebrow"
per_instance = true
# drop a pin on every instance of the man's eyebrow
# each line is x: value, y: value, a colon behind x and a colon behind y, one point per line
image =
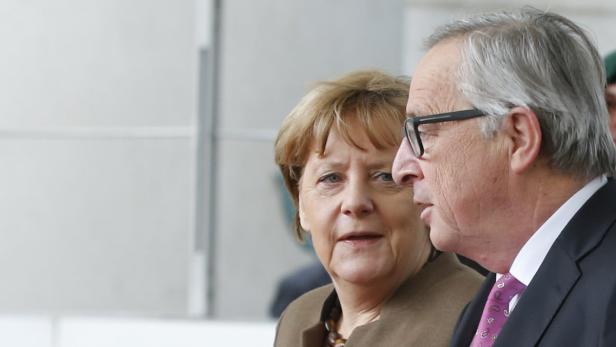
x: 416, y: 113
x: 412, y: 112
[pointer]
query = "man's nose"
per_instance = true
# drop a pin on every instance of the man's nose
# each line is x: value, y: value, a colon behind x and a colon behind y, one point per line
x: 406, y: 169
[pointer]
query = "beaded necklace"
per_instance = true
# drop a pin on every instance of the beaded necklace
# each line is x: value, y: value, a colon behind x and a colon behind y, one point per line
x: 334, y: 339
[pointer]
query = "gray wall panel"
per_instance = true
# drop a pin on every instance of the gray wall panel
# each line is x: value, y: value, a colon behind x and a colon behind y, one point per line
x: 95, y: 226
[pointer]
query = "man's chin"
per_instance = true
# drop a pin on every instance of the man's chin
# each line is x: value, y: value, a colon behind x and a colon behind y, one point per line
x: 443, y: 240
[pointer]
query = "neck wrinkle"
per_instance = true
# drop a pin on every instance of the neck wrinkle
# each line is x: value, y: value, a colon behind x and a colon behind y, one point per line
x: 357, y: 312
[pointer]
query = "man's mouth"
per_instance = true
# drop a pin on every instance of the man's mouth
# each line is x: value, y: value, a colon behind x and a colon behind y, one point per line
x: 426, y: 214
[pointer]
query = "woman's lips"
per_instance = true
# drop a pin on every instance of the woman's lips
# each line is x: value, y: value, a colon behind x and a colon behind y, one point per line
x: 360, y: 239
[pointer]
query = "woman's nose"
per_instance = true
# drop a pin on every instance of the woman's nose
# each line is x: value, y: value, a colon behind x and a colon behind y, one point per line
x: 406, y: 169
x: 357, y: 201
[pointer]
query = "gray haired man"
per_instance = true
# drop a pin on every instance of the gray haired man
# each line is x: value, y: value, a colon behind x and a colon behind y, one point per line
x: 509, y: 152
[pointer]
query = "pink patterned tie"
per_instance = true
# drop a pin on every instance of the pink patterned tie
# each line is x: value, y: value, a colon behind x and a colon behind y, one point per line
x: 496, y: 310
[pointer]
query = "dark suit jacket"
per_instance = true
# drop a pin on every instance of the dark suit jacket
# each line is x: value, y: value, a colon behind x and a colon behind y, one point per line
x: 571, y: 301
x: 422, y: 312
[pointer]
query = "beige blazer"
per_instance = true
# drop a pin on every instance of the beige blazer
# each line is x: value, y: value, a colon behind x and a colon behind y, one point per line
x: 422, y: 312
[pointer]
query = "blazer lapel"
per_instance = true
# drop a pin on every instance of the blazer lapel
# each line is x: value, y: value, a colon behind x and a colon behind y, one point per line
x: 313, y: 336
x: 469, y: 319
x: 559, y: 272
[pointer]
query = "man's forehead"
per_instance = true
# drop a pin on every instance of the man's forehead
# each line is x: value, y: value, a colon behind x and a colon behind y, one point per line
x: 433, y: 86
x: 432, y: 94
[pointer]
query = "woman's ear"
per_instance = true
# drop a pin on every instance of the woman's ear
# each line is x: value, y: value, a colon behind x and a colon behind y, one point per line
x: 303, y: 221
x: 524, y: 131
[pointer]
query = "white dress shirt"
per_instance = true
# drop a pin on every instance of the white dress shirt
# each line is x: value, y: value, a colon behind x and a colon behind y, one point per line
x: 530, y: 257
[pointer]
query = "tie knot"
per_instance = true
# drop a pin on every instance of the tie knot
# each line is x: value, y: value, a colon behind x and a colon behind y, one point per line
x: 506, y: 288
x: 496, y: 310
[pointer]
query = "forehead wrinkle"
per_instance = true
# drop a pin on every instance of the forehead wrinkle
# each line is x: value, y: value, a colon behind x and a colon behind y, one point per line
x: 440, y: 98
x: 372, y: 158
x: 435, y: 94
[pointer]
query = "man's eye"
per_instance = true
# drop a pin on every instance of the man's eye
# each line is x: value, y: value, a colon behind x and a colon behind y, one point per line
x: 423, y: 129
x: 330, y: 178
x: 426, y: 135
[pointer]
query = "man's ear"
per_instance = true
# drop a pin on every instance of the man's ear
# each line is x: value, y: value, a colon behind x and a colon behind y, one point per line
x: 522, y: 128
x: 303, y: 221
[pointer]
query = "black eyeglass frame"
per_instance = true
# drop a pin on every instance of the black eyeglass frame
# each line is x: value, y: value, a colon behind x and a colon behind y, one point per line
x: 412, y: 124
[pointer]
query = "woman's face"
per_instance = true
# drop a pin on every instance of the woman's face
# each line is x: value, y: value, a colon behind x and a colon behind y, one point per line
x: 363, y: 226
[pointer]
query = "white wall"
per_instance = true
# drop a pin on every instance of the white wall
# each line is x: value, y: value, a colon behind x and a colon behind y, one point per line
x: 97, y: 138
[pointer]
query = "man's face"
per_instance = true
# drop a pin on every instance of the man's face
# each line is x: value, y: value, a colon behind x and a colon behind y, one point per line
x: 458, y: 178
x: 610, y: 95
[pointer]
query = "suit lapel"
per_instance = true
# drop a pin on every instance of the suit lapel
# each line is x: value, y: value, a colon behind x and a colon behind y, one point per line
x: 559, y: 271
x: 540, y: 302
x: 469, y: 319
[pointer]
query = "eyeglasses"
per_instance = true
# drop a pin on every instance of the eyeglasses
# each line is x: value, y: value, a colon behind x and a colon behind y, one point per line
x: 411, y: 126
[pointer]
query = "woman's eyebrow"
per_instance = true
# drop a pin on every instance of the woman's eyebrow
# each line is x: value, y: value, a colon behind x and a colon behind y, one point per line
x: 330, y: 163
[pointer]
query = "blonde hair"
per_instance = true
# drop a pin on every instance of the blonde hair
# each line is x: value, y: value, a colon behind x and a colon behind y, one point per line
x: 374, y: 100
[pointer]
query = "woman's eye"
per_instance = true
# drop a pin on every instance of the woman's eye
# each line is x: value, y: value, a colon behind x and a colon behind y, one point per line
x: 329, y: 178
x: 384, y: 176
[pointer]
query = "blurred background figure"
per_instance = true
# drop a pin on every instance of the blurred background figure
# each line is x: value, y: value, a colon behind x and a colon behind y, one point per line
x: 390, y: 287
x: 610, y: 91
x: 298, y: 282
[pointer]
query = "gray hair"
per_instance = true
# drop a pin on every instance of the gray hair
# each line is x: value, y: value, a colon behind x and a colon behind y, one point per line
x: 545, y: 62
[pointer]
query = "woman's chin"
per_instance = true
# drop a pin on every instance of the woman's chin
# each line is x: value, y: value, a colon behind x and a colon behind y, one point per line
x: 362, y: 273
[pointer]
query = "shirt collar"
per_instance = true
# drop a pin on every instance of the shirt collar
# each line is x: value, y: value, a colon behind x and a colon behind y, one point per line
x: 530, y: 257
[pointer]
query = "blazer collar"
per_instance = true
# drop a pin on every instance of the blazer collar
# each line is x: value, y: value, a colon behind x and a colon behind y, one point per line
x: 314, y: 335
